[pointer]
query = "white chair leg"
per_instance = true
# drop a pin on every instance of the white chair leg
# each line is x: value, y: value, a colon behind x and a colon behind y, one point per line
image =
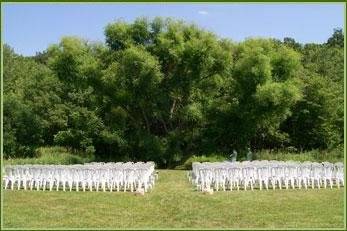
x: 111, y: 186
x: 325, y: 183
x: 6, y: 183
x: 312, y: 183
x: 51, y: 183
x: 103, y: 186
x: 70, y: 186
x: 25, y: 182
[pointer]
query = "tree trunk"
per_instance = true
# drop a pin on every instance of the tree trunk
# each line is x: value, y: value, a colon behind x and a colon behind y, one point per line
x: 172, y: 108
x: 146, y: 120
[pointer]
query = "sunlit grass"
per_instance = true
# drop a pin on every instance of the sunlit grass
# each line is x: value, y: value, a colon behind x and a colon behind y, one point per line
x: 174, y: 203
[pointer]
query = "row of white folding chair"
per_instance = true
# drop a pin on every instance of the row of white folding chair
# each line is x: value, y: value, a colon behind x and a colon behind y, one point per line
x: 81, y: 175
x: 39, y: 176
x: 306, y: 173
x: 266, y: 172
x: 286, y: 173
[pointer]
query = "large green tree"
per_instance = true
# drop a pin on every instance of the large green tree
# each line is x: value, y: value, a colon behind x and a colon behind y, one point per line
x: 264, y: 87
x: 317, y: 119
x: 163, y: 89
x: 33, y: 110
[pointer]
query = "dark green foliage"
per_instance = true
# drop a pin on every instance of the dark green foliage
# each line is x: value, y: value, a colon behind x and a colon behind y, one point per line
x: 32, y: 113
x: 317, y: 119
x: 337, y: 39
x: 163, y: 89
x: 290, y: 42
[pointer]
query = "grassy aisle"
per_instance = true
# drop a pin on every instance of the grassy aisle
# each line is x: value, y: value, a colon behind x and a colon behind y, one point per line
x: 174, y: 204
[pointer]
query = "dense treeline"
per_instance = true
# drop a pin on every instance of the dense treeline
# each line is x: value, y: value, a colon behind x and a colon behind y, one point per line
x: 162, y: 90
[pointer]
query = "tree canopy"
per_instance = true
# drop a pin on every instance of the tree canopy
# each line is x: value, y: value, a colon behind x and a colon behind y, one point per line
x: 163, y: 90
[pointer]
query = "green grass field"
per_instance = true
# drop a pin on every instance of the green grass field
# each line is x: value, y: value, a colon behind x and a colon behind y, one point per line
x: 174, y: 203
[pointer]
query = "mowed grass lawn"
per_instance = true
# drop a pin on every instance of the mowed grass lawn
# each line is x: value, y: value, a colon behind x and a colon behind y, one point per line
x: 174, y: 203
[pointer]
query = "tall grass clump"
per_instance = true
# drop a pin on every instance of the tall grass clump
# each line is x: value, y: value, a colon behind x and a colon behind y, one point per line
x: 53, y: 155
x: 203, y: 158
x: 334, y: 155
